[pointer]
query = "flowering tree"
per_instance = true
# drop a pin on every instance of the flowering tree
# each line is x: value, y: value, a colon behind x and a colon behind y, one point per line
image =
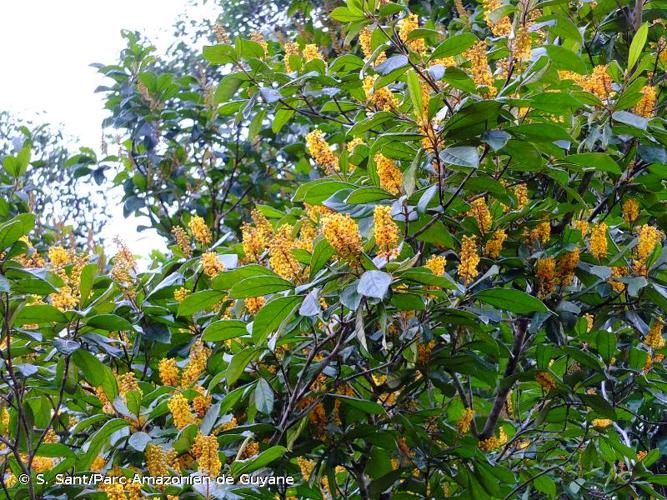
x: 463, y: 299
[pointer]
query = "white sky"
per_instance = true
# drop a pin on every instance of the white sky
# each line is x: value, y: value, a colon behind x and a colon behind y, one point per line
x: 46, y: 48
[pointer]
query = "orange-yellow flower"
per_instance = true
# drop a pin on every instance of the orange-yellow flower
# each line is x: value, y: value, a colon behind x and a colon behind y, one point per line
x: 391, y: 177
x: 469, y: 259
x: 385, y: 230
x: 343, y: 235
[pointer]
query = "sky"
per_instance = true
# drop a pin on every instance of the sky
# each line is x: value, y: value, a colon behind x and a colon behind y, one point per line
x: 46, y: 48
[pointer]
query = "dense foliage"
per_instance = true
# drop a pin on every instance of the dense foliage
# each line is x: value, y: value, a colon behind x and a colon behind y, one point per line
x: 424, y: 259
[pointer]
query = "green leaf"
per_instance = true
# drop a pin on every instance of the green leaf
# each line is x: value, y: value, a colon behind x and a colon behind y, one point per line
x: 262, y: 460
x: 464, y: 156
x: 228, y: 87
x: 258, y: 286
x: 322, y: 252
x: 224, y: 329
x: 263, y: 397
x: 564, y: 58
x: 364, y: 405
x: 454, y: 45
x: 220, y: 54
x: 315, y: 192
x: 98, y: 440
x: 225, y: 280
x: 109, y: 322
x: 374, y: 284
x: 198, y: 301
x: 345, y: 15
x: 367, y: 194
x: 415, y: 91
x: 271, y: 316
x: 88, y: 274
x: 606, y: 344
x: 39, y: 314
x: 511, y: 300
x: 594, y: 161
x: 96, y: 372
x: 637, y: 45
x: 13, y: 229
x: 238, y: 364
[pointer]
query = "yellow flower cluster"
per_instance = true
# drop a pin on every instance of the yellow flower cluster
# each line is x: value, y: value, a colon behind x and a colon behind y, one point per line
x: 311, y: 52
x: 158, y: 460
x: 291, y: 49
x: 251, y: 449
x: 180, y: 294
x: 205, y: 449
x: 523, y: 44
x: 211, y: 264
x: 59, y: 257
x: 382, y: 99
x: 385, y: 231
x: 98, y: 464
x: 583, y: 226
x: 200, y: 230
x: 256, y: 238
x: 567, y: 263
x: 493, y: 443
x: 127, y: 382
x: 541, y: 233
x: 180, y: 411
x: 168, y: 371
x: 281, y: 258
x: 391, y: 177
x: 106, y: 404
x: 599, y: 241
x: 220, y: 33
x: 503, y: 26
x: 646, y: 104
x: 589, y: 321
x: 343, y: 235
x: 649, y: 237
x: 463, y: 424
x: 436, y: 263
x: 601, y: 423
x: 321, y: 152
x: 405, y: 27
x: 630, y: 211
x: 258, y: 38
x: 182, y: 240
x: 254, y: 304
x: 598, y: 83
x: 654, y: 338
x: 545, y: 380
x: 366, y: 43
x: 469, y: 259
x: 616, y: 273
x: 494, y: 246
x: 199, y: 354
x: 520, y: 192
x: 545, y: 272
x: 202, y: 402
x: 480, y: 211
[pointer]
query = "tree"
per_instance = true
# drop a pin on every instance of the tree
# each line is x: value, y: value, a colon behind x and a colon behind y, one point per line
x: 458, y: 292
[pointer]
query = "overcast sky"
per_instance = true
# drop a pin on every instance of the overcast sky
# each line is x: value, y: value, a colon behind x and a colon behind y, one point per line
x: 46, y: 48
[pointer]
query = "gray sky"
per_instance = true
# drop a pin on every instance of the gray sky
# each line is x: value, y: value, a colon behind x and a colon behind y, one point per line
x: 46, y: 48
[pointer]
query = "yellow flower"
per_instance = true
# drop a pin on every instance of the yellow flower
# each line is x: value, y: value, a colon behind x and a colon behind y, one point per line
x: 257, y: 37
x: 436, y: 263
x: 521, y: 194
x: 254, y: 304
x: 646, y: 104
x: 281, y: 258
x: 321, y: 152
x: 251, y: 449
x: 385, y: 231
x: 168, y: 372
x: 229, y: 425
x: 106, y: 404
x: 221, y: 34
x: 502, y: 27
x: 202, y: 402
x: 306, y: 466
x: 469, y: 259
x: 98, y: 464
x: 493, y: 443
x: 601, y: 423
x: 291, y: 49
x: 599, y: 241
x: 523, y: 44
x: 582, y: 226
x: 4, y: 421
x: 391, y: 177
x: 123, y: 264
x: 649, y: 237
x: 494, y: 246
x: 545, y: 380
x: 382, y: 98
x: 180, y: 294
x: 205, y: 449
x: 199, y: 354
x: 127, y: 382
x: 64, y: 299
x: 598, y: 83
x: 480, y: 211
x: 654, y: 338
x: 481, y: 73
x: 616, y: 273
x: 59, y: 257
x: 567, y: 264
x: 545, y: 272
x: 630, y: 211
x: 180, y: 411
x: 182, y: 240
x: 343, y: 235
x: 310, y: 52
x: 158, y: 461
x: 200, y: 230
x: 366, y: 43
x: 211, y: 264
x: 405, y: 27
x: 463, y: 424
x: 589, y: 321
